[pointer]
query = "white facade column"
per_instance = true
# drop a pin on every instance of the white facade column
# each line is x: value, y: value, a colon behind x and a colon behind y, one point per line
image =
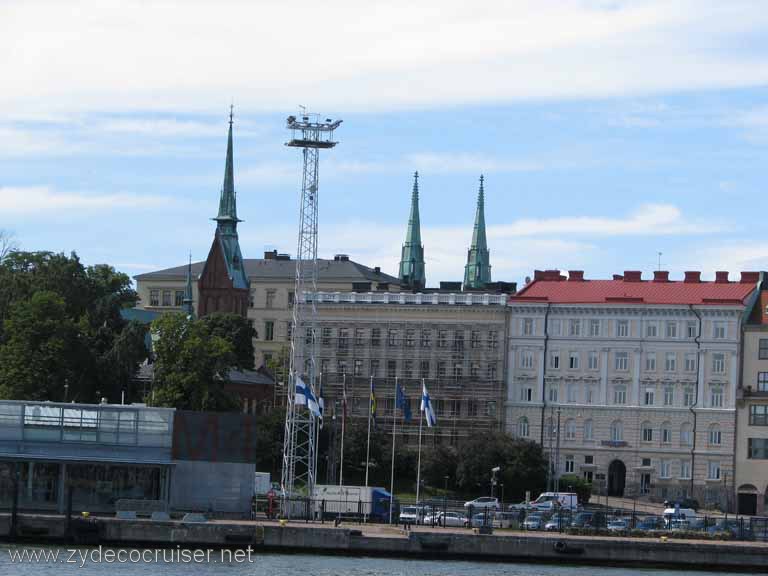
x: 702, y: 358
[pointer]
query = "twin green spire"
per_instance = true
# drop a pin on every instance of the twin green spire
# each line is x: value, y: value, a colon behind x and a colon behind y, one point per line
x: 477, y: 272
x: 412, y: 259
x: 227, y: 203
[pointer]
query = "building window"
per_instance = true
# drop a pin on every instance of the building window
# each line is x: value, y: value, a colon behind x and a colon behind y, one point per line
x: 269, y: 330
x: 442, y: 338
x: 324, y: 366
x: 458, y: 370
x: 358, y: 367
x: 441, y: 369
x: 718, y: 363
x: 617, y: 431
x: 270, y: 302
x: 688, y: 397
x: 343, y: 338
x: 669, y: 396
x: 715, y: 435
x: 472, y: 408
x: 718, y: 330
x: 424, y: 369
x: 426, y: 338
x: 289, y: 330
x: 592, y: 361
x: 690, y: 362
x: 491, y: 372
x: 375, y: 337
x: 490, y: 408
x: 572, y: 393
x: 526, y: 359
x: 326, y: 336
x: 408, y: 368
x: 594, y: 328
x: 651, y: 330
x: 650, y: 397
x: 527, y: 326
x: 685, y: 434
x: 666, y: 433
x: 391, y: 368
x: 291, y: 298
x: 526, y: 394
x: 493, y: 339
x: 554, y: 327
x: 574, y: 327
x: 671, y: 329
x: 647, y: 432
x: 553, y: 394
x: 650, y: 362
x: 154, y: 297
x: 622, y: 328
x: 458, y: 340
x: 762, y: 381
x: 757, y: 448
x: 178, y: 298
x: 474, y: 370
x: 570, y: 429
x: 589, y: 395
x: 359, y: 337
x: 410, y: 337
x: 621, y: 361
x: 670, y: 362
x: 666, y: 469
x: 374, y: 368
x: 474, y: 339
x: 308, y: 336
x: 569, y: 465
x: 554, y: 359
x: 762, y: 351
x: 341, y: 367
x: 758, y: 415
x: 713, y: 470
x: 166, y: 297
x: 573, y: 361
x: 393, y: 337
x: 523, y: 428
x: 716, y: 398
x: 690, y: 329
x: 620, y: 395
x: 588, y: 430
x: 589, y: 459
x: 645, y: 462
x: 685, y: 469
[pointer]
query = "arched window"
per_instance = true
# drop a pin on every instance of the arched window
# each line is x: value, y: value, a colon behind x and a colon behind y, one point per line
x: 666, y: 433
x: 522, y: 427
x: 617, y: 431
x: 715, y: 435
x: 570, y: 429
x: 647, y: 432
x: 686, y: 435
x: 549, y: 428
x: 589, y: 432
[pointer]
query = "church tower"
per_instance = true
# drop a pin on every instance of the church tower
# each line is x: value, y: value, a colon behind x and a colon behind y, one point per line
x: 477, y: 272
x: 223, y: 285
x: 411, y: 273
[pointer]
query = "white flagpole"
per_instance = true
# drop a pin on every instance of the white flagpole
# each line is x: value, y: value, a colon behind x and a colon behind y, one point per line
x: 343, y: 424
x: 368, y: 449
x: 317, y: 429
x: 421, y: 421
x: 392, y: 473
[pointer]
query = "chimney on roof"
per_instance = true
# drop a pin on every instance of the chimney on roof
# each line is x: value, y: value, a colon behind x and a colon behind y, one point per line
x: 574, y: 275
x: 661, y: 276
x: 692, y: 276
x: 721, y: 277
x: 377, y: 270
x: 633, y: 275
x: 553, y: 275
x: 750, y: 277
x: 341, y: 258
x: 270, y: 255
x: 538, y: 275
x: 618, y: 277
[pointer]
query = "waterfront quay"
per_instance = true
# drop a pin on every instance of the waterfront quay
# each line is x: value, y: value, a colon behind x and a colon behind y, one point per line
x: 388, y: 541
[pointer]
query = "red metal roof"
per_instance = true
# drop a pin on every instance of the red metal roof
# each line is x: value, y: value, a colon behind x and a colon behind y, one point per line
x: 552, y: 287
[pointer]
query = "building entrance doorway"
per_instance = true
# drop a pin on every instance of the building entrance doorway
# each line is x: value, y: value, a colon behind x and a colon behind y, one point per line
x: 617, y: 475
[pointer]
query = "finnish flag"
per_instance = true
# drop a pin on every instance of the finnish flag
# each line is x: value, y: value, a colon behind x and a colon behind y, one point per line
x: 304, y: 397
x: 426, y: 407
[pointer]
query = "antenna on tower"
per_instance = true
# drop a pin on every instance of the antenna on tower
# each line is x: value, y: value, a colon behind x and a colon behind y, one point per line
x: 300, y: 442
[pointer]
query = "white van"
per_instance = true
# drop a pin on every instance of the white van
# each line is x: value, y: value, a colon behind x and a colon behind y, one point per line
x: 549, y: 501
x: 678, y: 514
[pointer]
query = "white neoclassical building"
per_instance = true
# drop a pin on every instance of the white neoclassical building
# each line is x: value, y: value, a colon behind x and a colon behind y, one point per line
x: 640, y: 373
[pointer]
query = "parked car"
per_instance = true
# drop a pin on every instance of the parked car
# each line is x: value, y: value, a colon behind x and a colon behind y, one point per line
x: 432, y: 519
x: 451, y: 519
x: 588, y: 519
x: 482, y: 503
x: 558, y: 522
x: 410, y: 515
x: 686, y: 524
x: 534, y: 522
x: 651, y: 523
x: 671, y: 514
x: 618, y: 525
x: 551, y: 501
x: 737, y: 528
x: 482, y: 519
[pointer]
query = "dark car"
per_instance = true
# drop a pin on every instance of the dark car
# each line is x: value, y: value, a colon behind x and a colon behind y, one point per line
x: 589, y: 520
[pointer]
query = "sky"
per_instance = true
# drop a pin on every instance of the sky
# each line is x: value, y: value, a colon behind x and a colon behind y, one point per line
x: 608, y: 131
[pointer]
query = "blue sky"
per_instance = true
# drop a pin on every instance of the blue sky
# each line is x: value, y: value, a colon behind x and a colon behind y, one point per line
x: 608, y: 131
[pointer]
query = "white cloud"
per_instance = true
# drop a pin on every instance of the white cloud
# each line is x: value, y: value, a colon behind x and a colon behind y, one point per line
x: 40, y: 199
x: 371, y: 55
x: 648, y: 220
x: 733, y: 256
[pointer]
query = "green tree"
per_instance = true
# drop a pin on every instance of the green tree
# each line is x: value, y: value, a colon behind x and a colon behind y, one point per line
x: 573, y: 483
x: 437, y: 463
x: 270, y: 430
x: 238, y: 331
x: 191, y: 365
x: 522, y: 462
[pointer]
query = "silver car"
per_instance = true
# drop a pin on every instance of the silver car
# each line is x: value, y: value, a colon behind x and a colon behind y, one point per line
x: 534, y: 522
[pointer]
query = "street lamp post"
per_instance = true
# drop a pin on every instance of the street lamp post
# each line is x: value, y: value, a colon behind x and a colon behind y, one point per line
x: 494, y: 471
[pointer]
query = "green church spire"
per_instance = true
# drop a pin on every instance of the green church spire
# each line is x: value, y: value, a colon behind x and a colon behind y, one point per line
x: 477, y: 272
x: 186, y: 304
x: 227, y: 203
x: 412, y: 259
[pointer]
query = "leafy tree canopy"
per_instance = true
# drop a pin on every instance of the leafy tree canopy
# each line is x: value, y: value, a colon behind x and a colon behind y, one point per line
x: 238, y: 331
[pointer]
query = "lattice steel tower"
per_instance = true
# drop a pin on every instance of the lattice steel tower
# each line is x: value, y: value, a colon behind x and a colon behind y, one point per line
x: 299, y: 445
